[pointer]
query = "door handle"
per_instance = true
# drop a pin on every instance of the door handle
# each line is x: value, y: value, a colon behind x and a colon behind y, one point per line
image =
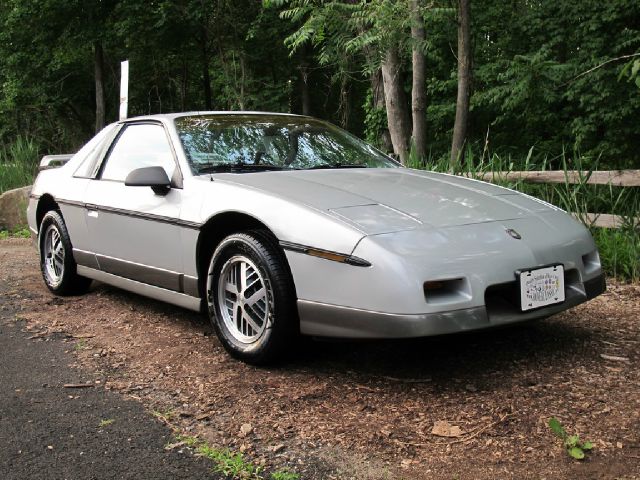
x: 92, y: 213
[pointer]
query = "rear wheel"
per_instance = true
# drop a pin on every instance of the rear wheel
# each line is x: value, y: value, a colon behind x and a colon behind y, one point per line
x: 59, y: 269
x: 250, y: 297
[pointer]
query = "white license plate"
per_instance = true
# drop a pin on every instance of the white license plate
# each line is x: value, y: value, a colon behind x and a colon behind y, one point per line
x: 541, y: 287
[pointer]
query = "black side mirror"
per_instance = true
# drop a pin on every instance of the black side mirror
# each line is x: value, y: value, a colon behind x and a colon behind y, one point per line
x: 154, y: 177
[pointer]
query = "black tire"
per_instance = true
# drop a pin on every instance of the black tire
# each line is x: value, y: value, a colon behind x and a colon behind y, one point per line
x: 65, y: 280
x: 264, y: 263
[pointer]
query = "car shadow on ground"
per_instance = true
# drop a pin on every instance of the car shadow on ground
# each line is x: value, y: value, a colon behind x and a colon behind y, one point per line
x: 505, y: 352
x: 501, y: 355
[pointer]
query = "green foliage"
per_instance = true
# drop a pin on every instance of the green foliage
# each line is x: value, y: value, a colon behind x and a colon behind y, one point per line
x: 18, y: 163
x: 230, y: 464
x: 20, y: 232
x: 284, y: 475
x: 619, y: 251
x: 375, y: 121
x: 165, y: 416
x: 575, y: 448
x: 105, y: 422
x: 188, y: 440
x: 631, y: 71
x: 547, y: 74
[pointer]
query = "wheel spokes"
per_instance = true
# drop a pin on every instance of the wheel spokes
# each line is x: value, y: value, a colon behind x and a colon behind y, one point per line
x: 243, y: 298
x: 249, y: 322
x: 260, y: 294
x: 54, y: 254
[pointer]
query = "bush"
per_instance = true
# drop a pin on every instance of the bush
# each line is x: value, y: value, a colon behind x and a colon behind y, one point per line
x: 18, y: 164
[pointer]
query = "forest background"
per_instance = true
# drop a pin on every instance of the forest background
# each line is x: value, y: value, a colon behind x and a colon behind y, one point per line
x: 446, y: 85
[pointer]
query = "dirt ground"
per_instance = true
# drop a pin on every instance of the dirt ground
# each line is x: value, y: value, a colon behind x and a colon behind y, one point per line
x: 367, y: 410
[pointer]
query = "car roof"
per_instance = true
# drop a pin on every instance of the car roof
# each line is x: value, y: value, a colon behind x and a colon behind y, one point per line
x: 173, y: 116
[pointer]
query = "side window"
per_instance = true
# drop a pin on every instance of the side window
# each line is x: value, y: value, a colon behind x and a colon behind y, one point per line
x: 139, y: 146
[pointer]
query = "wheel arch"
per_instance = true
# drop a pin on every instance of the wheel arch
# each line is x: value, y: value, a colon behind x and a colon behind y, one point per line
x: 46, y: 203
x: 219, y: 226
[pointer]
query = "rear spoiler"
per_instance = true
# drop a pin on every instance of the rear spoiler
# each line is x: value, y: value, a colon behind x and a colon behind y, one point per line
x: 54, y: 161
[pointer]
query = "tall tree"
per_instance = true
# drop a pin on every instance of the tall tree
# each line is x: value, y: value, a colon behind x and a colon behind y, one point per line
x: 419, y: 84
x: 464, y: 82
x: 397, y: 112
x: 99, y: 80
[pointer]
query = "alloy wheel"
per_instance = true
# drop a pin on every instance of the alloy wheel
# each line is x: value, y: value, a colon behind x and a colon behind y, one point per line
x: 53, y: 253
x: 244, y: 299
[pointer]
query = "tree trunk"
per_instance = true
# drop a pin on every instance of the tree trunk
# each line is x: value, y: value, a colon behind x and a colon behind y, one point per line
x: 183, y: 85
x: 377, y: 91
x: 206, y: 77
x: 99, y: 79
x: 464, y: 83
x: 418, y: 88
x: 304, y: 84
x: 398, y: 118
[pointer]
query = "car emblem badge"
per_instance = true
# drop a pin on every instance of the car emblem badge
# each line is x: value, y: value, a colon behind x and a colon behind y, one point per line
x: 513, y: 234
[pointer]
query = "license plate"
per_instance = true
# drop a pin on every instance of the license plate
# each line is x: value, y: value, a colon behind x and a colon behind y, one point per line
x: 540, y: 287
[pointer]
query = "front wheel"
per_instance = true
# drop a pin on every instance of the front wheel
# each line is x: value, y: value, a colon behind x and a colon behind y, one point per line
x: 59, y: 269
x: 251, y: 298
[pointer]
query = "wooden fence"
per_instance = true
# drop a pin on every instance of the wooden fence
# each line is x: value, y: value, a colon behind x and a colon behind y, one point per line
x: 618, y: 178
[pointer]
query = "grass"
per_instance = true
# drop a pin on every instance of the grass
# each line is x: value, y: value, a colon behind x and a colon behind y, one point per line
x: 284, y: 475
x: 105, y: 422
x: 230, y: 464
x: 166, y: 416
x: 189, y: 441
x: 18, y: 164
x: 619, y: 252
x: 619, y: 248
x: 21, y: 232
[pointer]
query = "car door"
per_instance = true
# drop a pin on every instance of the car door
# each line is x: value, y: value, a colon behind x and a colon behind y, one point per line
x: 134, y: 231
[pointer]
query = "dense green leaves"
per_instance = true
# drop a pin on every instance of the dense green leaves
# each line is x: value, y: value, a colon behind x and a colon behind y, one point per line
x: 552, y: 75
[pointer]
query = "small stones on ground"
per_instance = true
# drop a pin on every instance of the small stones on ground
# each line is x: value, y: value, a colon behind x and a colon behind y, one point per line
x: 245, y: 429
x: 277, y: 448
x: 442, y: 428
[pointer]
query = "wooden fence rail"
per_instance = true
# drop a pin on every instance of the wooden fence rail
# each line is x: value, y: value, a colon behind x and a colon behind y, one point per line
x: 617, y: 178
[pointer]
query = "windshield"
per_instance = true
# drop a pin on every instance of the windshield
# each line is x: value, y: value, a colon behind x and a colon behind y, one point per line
x: 240, y: 143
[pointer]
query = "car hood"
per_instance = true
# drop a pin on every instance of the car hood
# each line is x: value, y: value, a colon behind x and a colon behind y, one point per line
x: 394, y: 199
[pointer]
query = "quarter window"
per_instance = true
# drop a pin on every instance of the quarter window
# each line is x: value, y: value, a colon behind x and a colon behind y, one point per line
x: 139, y: 146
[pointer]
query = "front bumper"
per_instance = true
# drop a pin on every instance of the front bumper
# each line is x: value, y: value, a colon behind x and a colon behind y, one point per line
x: 324, y: 320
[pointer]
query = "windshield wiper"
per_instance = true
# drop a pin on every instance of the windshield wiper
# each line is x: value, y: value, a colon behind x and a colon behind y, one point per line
x: 236, y: 168
x: 336, y: 165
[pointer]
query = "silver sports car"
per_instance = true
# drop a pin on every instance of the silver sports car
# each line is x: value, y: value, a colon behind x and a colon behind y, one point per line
x: 279, y: 225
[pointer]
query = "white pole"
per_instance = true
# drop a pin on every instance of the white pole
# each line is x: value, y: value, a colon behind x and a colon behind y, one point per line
x: 124, y: 89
